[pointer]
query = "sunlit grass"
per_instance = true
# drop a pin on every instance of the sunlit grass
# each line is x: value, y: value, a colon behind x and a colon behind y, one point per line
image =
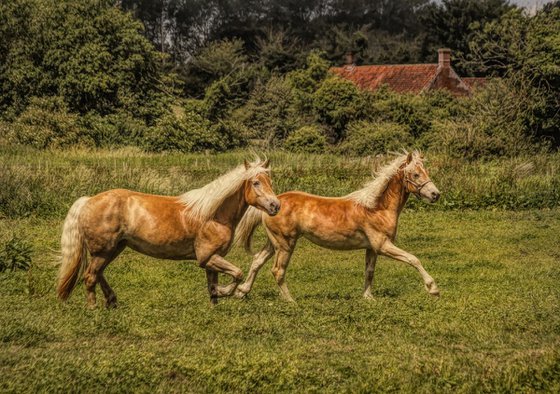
x: 496, y: 326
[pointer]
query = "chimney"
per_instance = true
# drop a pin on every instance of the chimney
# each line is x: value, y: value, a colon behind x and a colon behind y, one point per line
x: 349, y: 59
x: 444, y: 57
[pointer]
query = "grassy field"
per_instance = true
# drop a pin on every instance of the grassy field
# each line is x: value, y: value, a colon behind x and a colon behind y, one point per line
x: 496, y: 326
x: 45, y: 183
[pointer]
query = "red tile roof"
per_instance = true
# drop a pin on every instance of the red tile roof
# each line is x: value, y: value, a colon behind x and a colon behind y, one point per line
x: 401, y: 78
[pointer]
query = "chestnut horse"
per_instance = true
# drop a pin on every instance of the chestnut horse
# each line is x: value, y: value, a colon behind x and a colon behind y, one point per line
x: 365, y: 219
x: 198, y: 225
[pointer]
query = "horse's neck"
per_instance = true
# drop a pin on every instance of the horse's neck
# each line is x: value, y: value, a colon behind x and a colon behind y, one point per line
x: 395, y: 196
x: 232, y: 209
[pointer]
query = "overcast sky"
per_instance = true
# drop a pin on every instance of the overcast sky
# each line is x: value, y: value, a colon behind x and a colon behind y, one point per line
x: 530, y: 2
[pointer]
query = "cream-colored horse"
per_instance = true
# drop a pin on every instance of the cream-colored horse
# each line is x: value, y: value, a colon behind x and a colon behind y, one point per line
x: 365, y: 219
x: 198, y: 225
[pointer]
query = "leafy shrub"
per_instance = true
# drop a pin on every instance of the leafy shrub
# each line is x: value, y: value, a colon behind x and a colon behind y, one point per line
x: 278, y: 51
x: 410, y: 110
x: 270, y: 111
x: 213, y: 62
x: 496, y: 121
x: 113, y: 130
x: 229, y: 92
x: 369, y: 138
x: 306, y: 81
x: 46, y: 123
x: 476, y: 140
x: 90, y: 53
x: 15, y: 254
x: 336, y: 103
x: 233, y: 133
x: 194, y: 133
x: 308, y: 139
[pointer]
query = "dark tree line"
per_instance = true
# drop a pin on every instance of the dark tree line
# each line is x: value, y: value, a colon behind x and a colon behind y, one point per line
x: 384, y: 31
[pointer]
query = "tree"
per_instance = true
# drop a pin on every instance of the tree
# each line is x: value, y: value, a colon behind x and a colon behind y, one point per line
x: 525, y: 50
x: 449, y: 23
x: 90, y: 53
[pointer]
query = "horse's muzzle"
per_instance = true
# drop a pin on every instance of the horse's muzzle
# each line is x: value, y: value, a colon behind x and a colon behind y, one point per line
x: 435, y: 196
x: 273, y: 208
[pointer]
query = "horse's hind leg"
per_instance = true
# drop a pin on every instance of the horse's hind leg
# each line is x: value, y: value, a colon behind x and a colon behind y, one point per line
x: 94, y: 275
x: 371, y: 259
x: 279, y: 271
x: 91, y: 277
x: 258, y: 261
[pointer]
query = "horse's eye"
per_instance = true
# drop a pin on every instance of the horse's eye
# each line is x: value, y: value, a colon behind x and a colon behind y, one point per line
x: 416, y: 176
x: 256, y: 183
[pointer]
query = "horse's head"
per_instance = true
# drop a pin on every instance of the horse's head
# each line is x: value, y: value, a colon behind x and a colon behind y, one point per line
x: 258, y: 190
x: 417, y: 181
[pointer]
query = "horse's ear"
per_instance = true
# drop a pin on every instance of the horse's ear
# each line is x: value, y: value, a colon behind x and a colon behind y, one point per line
x: 266, y: 163
x: 247, y: 165
x: 409, y: 158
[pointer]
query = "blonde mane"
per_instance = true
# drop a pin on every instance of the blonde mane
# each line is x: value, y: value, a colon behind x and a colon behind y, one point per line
x: 205, y: 201
x: 369, y: 195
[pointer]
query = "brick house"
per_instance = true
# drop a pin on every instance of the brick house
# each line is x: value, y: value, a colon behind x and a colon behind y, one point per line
x: 410, y: 78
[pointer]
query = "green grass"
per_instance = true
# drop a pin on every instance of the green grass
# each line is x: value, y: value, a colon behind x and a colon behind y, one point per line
x: 495, y: 328
x: 45, y: 183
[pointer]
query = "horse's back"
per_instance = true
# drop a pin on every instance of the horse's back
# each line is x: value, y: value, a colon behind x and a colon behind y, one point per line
x: 140, y: 219
x: 331, y: 222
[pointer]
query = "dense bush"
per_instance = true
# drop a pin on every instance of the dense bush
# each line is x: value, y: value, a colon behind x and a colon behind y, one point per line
x: 411, y: 110
x: 89, y: 53
x: 229, y: 92
x: 270, y: 113
x: 233, y: 134
x: 496, y: 121
x: 370, y: 138
x: 336, y: 103
x: 46, y: 123
x: 117, y: 129
x: 307, y: 80
x: 189, y: 134
x: 307, y: 139
x: 215, y: 61
x: 15, y: 254
x: 526, y: 49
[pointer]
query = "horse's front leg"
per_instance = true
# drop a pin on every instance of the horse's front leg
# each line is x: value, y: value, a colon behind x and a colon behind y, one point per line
x: 390, y: 250
x: 258, y: 261
x: 371, y: 259
x: 219, y: 264
x: 212, y: 278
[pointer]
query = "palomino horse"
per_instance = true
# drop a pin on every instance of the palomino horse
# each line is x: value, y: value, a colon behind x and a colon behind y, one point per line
x: 198, y: 225
x: 365, y: 219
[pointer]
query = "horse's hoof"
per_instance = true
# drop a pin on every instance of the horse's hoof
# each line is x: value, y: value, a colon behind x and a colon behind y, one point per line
x: 111, y: 304
x: 434, y: 291
x: 239, y: 294
x: 368, y: 296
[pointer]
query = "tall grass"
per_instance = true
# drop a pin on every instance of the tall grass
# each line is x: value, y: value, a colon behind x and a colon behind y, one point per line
x: 45, y: 183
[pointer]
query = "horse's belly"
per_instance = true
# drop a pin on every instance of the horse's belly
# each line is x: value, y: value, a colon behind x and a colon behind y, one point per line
x: 174, y: 250
x: 339, y: 241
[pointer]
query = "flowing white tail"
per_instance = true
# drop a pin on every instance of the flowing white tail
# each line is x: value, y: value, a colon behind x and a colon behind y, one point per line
x: 73, y: 251
x: 246, y: 227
